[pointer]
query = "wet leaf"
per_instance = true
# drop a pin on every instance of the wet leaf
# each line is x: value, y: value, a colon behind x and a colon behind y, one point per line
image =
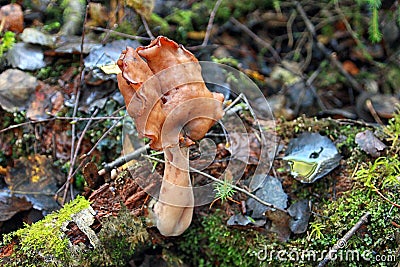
x: 16, y: 87
x: 300, y: 215
x: 243, y: 220
x: 311, y: 156
x: 11, y: 205
x: 272, y: 192
x: 37, y: 179
x: 72, y: 45
x: 368, y: 142
x: 102, y: 60
x: 279, y: 224
x: 46, y: 100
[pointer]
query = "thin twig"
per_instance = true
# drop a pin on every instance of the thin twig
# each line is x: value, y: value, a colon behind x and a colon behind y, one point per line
x: 146, y: 26
x: 72, y: 119
x: 289, y: 28
x: 325, y: 51
x: 256, y: 38
x: 100, y: 139
x: 342, y: 242
x: 371, y: 109
x: 77, y: 96
x: 385, y: 198
x: 272, y: 206
x: 134, y: 37
x: 71, y: 171
x: 210, y: 22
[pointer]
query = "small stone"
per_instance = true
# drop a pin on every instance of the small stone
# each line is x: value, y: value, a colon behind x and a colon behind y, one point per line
x: 16, y: 87
x: 26, y: 57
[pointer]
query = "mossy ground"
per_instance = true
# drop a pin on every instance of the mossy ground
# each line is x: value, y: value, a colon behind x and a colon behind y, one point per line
x: 209, y: 242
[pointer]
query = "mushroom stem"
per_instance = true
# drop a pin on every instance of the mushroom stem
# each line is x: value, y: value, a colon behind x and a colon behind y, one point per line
x: 174, y: 208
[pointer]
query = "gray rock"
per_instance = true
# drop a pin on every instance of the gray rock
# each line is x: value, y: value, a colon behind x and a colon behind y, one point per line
x: 300, y: 215
x: 34, y: 36
x: 16, y: 87
x: 272, y: 192
x: 26, y: 57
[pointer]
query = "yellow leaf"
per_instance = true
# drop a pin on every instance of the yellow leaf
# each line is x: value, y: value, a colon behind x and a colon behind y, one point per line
x: 110, y: 69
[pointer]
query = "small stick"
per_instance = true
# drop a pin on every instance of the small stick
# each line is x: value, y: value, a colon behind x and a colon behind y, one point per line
x: 371, y: 109
x: 210, y: 23
x: 325, y: 51
x: 146, y: 26
x: 341, y: 243
x: 256, y: 38
x: 75, y: 155
x: 385, y: 198
x: 122, y: 160
x: 100, y: 139
x: 134, y: 37
x: 77, y: 96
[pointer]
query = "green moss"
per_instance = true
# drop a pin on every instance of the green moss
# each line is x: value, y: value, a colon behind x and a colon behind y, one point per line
x: 42, y: 244
x: 7, y: 41
x: 220, y: 245
x: 120, y: 238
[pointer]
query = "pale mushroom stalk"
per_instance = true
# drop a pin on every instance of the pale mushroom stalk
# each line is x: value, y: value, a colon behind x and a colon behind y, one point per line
x: 174, y: 208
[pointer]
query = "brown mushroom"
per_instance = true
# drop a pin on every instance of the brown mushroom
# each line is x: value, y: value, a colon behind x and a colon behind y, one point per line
x: 165, y: 94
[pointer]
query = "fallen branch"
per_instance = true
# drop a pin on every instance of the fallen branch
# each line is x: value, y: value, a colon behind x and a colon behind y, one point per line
x: 122, y: 160
x: 342, y: 242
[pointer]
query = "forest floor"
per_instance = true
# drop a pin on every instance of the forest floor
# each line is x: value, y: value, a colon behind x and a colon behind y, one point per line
x: 302, y: 170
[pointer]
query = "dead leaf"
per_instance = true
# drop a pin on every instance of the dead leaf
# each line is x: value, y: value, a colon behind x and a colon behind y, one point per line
x: 11, y: 205
x: 279, y: 224
x: 98, y: 15
x: 143, y: 7
x: 46, y: 100
x: 37, y: 179
x: 350, y: 67
x: 368, y: 142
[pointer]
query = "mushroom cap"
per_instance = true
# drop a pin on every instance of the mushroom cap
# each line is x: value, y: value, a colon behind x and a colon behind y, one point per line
x: 165, y: 93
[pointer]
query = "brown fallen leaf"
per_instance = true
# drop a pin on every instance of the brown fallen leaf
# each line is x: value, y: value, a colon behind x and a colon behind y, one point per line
x: 46, y: 100
x: 11, y: 205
